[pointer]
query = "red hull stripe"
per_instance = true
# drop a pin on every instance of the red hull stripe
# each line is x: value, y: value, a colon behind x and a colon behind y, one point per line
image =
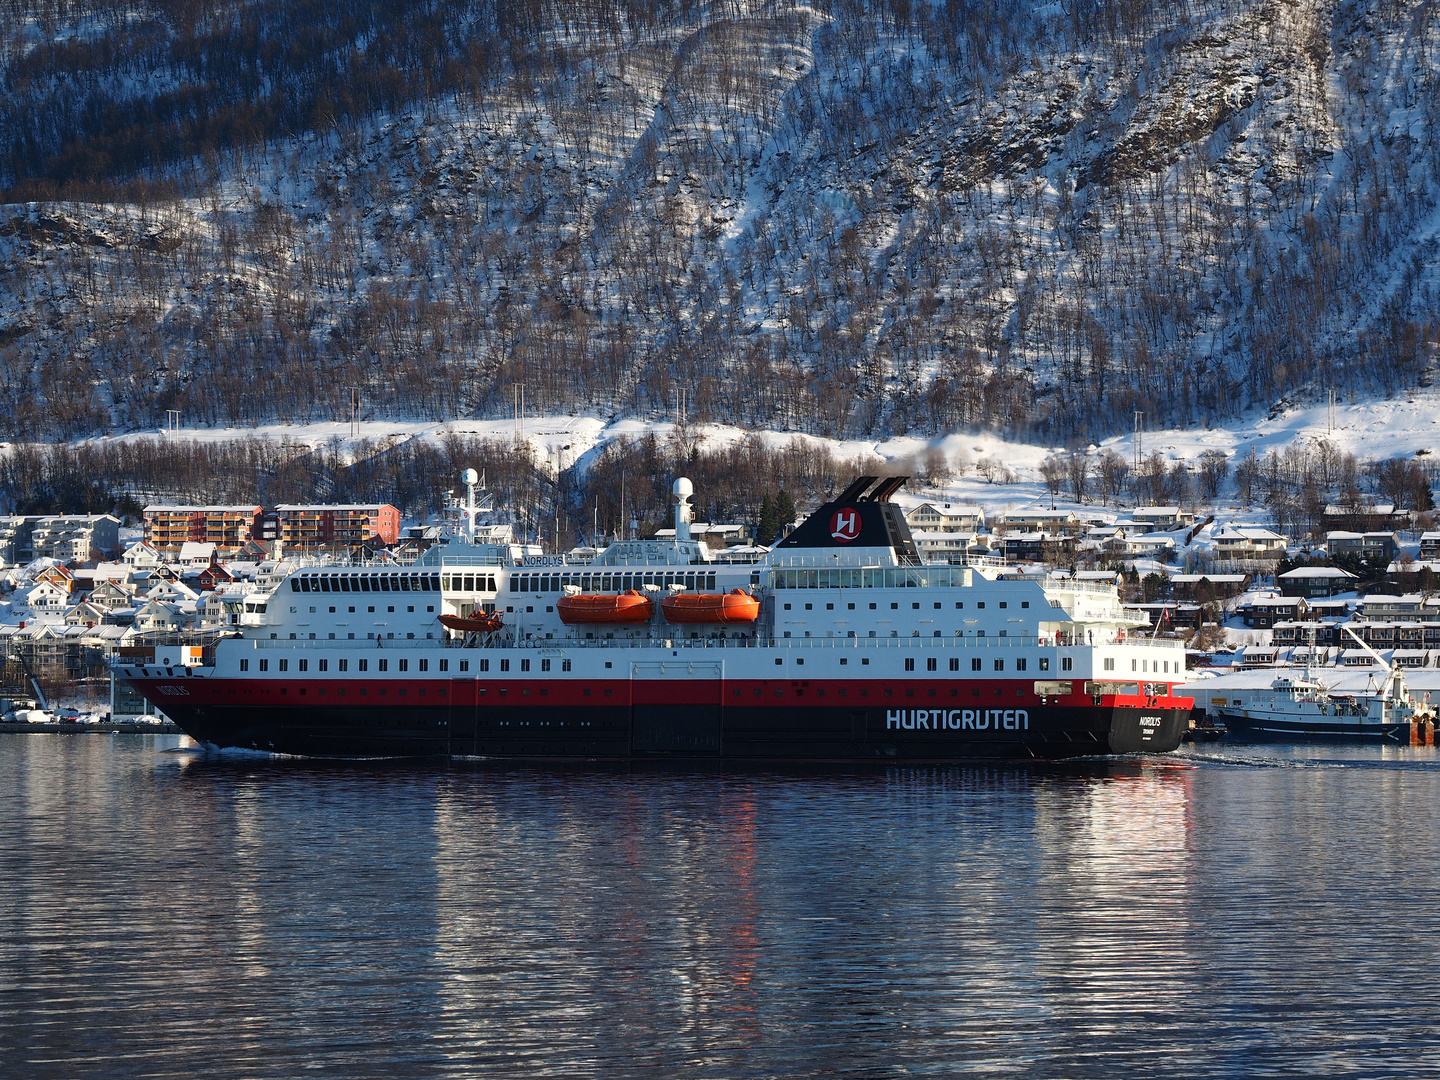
x: 578, y: 693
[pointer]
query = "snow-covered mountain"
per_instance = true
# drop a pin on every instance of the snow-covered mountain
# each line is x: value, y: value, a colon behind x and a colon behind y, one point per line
x: 848, y: 218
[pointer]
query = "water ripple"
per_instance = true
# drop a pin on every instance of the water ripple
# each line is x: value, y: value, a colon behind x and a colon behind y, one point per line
x: 1227, y: 912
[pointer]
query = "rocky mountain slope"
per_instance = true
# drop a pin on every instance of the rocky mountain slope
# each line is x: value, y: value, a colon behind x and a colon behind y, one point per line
x: 850, y: 218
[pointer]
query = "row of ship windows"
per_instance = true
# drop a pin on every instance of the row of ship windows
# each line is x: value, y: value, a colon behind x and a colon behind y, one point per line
x: 1151, y: 666
x: 365, y: 583
x: 383, y: 664
x: 878, y: 577
x: 469, y: 582
x: 617, y: 582
x: 932, y: 663
x: 403, y: 664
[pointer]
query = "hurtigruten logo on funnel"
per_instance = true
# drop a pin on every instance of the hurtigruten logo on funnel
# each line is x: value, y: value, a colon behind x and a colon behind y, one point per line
x: 845, y: 525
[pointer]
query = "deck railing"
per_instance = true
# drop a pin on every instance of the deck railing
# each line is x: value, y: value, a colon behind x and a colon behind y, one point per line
x: 659, y: 641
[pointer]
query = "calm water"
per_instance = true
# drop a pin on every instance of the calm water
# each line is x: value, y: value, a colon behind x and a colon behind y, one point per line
x: 1228, y: 913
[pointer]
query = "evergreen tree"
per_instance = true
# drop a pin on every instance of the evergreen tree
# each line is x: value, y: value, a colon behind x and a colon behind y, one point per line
x: 766, y: 528
x: 784, y: 510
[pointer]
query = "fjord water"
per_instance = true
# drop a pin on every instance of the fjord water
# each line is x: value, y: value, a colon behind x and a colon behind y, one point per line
x: 1228, y: 912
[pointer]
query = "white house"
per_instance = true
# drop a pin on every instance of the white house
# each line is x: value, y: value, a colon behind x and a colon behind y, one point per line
x: 111, y: 595
x: 85, y: 614
x: 195, y: 555
x: 1248, y: 542
x: 141, y: 555
x: 158, y: 615
x: 1162, y: 518
x: 45, y: 597
x: 172, y: 591
x: 944, y: 517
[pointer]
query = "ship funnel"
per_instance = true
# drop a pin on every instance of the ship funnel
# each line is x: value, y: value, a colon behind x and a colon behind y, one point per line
x: 682, y: 489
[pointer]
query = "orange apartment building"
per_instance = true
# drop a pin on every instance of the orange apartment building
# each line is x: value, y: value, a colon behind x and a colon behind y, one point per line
x: 229, y: 528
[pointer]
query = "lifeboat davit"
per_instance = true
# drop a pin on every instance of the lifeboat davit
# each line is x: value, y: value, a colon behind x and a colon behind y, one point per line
x: 484, y: 622
x: 736, y: 606
x: 625, y: 607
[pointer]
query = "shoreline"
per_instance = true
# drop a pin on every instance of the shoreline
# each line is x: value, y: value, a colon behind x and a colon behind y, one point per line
x: 116, y: 727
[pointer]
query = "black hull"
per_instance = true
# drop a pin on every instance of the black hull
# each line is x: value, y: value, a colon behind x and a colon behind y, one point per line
x: 1257, y: 730
x: 692, y: 732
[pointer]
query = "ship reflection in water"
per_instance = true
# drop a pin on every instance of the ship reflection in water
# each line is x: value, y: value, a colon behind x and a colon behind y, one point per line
x: 1192, y: 917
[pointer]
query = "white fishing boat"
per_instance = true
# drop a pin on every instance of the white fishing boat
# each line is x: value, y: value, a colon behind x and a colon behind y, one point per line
x: 1309, y: 708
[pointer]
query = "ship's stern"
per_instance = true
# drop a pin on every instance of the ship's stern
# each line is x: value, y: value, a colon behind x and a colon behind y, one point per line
x: 1156, y: 729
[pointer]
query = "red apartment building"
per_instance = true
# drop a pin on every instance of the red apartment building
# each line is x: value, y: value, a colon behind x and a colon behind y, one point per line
x: 314, y: 526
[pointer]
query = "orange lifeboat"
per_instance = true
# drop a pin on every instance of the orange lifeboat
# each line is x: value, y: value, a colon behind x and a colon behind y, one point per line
x: 736, y: 606
x: 484, y: 622
x: 625, y: 607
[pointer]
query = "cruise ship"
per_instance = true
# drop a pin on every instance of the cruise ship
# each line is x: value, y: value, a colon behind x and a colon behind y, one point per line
x: 841, y: 645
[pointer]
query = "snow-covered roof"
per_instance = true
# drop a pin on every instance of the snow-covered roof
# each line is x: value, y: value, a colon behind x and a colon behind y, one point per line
x: 1247, y: 532
x: 318, y: 507
x: 1377, y: 508
x: 1306, y: 572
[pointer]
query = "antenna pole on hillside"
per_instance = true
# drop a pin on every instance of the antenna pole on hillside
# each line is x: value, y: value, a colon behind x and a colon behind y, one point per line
x: 1332, y: 412
x: 172, y: 424
x: 1139, y: 452
x: 354, y: 412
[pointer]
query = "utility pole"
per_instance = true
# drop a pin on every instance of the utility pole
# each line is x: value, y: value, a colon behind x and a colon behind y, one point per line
x: 172, y: 424
x: 1332, y: 412
x: 1139, y: 450
x: 354, y: 412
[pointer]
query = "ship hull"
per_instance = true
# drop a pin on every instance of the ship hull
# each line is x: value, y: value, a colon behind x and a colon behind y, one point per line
x: 1308, y: 729
x: 683, y: 730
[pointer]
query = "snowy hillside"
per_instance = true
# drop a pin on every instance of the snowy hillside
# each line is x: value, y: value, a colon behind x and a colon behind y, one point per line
x: 851, y: 219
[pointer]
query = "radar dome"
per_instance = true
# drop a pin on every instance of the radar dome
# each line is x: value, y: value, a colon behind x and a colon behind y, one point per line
x: 682, y: 487
x: 470, y: 476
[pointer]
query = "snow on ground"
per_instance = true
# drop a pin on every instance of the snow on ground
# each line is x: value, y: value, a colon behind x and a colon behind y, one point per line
x: 1372, y: 429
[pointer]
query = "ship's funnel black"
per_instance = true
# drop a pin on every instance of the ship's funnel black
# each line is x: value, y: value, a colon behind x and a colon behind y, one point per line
x: 855, y: 490
x: 857, y: 521
x: 886, y: 488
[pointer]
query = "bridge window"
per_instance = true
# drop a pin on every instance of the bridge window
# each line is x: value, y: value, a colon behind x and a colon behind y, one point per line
x: 909, y: 663
x: 244, y: 665
x: 930, y: 663
x: 999, y: 665
x: 974, y: 663
x: 1067, y: 663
